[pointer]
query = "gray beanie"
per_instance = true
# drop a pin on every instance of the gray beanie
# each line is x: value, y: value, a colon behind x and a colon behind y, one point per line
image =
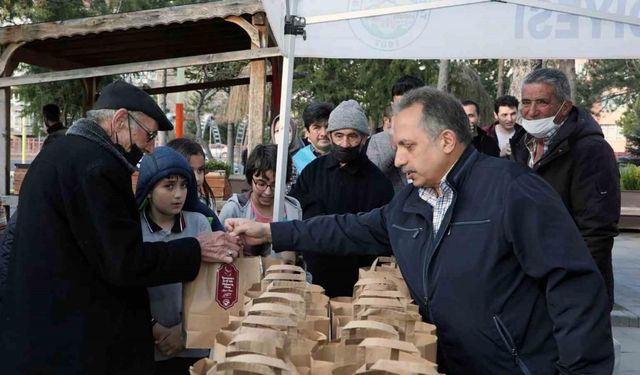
x: 348, y: 115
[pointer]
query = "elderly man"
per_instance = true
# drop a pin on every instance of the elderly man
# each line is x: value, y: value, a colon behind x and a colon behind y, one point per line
x: 343, y: 181
x: 486, y: 247
x: 565, y: 145
x: 76, y: 299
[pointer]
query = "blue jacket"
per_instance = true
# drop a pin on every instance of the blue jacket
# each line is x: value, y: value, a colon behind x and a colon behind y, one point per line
x: 507, y: 280
x: 163, y: 162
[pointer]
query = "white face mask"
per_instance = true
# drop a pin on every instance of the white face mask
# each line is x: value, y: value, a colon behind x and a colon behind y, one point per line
x: 542, y: 127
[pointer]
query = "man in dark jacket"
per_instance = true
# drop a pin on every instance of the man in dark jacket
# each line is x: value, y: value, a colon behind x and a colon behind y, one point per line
x: 481, y: 141
x: 343, y: 181
x: 565, y: 145
x: 487, y: 249
x: 55, y: 128
x: 76, y: 299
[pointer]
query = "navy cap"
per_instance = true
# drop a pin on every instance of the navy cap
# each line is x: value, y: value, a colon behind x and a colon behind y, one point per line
x: 120, y: 94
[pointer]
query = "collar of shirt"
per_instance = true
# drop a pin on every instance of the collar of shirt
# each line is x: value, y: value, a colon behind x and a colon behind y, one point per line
x: 530, y: 142
x: 440, y: 203
x: 178, y: 224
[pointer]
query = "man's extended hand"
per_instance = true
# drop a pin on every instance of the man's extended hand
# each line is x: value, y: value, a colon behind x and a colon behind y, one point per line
x: 173, y: 342
x: 218, y: 247
x: 251, y: 232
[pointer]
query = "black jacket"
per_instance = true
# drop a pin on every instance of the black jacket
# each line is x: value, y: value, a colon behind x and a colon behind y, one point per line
x: 580, y: 165
x: 324, y: 188
x: 507, y: 280
x: 485, y: 143
x: 76, y: 299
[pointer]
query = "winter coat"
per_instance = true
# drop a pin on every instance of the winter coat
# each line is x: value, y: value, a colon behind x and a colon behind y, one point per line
x: 326, y: 188
x: 5, y: 251
x: 485, y: 143
x: 581, y: 166
x: 507, y: 279
x: 76, y: 299
x: 55, y: 132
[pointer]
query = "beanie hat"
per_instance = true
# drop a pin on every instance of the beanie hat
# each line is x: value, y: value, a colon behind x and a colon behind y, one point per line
x: 348, y: 115
x: 165, y: 162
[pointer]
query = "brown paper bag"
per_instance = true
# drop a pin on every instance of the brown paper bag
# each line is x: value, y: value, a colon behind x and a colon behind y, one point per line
x: 253, y: 364
x: 389, y: 367
x: 201, y: 367
x: 216, y: 293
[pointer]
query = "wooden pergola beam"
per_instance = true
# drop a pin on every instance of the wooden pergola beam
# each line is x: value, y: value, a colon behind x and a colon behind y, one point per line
x: 252, y: 54
x: 121, y: 21
x: 44, y: 60
x: 201, y: 86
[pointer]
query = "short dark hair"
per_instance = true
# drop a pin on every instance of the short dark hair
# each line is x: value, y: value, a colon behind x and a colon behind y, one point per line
x: 471, y: 102
x: 404, y: 84
x: 188, y: 148
x: 388, y: 111
x: 505, y: 101
x: 440, y: 111
x: 264, y: 158
x: 51, y: 113
x: 316, y: 111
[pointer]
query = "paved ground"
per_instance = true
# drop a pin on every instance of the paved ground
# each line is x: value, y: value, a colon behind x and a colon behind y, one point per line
x: 626, y: 269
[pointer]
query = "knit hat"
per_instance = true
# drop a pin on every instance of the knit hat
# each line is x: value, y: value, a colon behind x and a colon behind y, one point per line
x: 348, y: 115
x: 164, y: 162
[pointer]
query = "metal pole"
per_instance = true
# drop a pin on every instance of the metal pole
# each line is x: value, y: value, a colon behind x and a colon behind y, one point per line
x: 285, y: 115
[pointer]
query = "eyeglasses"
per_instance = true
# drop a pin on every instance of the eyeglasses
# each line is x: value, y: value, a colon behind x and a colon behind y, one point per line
x: 150, y: 135
x: 262, y: 186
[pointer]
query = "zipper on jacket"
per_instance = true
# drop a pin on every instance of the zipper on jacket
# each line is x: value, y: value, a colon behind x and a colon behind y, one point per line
x: 415, y: 231
x: 471, y: 222
x: 511, y: 346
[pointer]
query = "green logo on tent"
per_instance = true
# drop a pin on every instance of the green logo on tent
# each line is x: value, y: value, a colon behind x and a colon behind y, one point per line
x: 390, y: 32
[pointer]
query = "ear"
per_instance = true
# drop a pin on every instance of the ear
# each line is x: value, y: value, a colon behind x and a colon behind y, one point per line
x: 448, y: 141
x: 495, y: 116
x: 120, y: 119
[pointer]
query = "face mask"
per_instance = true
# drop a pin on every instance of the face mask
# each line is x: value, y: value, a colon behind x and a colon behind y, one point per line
x: 133, y: 156
x: 345, y: 154
x: 540, y: 128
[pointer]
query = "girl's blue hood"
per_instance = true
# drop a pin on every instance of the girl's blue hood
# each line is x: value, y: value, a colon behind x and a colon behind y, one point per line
x: 164, y: 162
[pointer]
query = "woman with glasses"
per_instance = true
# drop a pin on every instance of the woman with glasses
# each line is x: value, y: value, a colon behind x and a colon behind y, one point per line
x: 257, y: 203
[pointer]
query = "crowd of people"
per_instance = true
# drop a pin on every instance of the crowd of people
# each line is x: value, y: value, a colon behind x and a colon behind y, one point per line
x: 503, y: 232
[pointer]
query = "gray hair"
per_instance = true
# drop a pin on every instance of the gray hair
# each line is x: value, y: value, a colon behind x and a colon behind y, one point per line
x: 553, y: 77
x: 101, y: 115
x: 440, y: 111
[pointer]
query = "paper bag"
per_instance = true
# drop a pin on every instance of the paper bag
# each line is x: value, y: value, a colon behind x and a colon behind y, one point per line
x: 216, y: 293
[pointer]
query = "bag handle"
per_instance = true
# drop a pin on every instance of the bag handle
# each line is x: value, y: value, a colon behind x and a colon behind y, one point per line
x: 369, y: 324
x: 374, y: 280
x: 402, y: 367
x: 264, y: 307
x: 285, y: 276
x: 382, y: 302
x: 269, y: 321
x: 254, y: 362
x: 383, y: 294
x: 396, y: 346
x: 284, y: 268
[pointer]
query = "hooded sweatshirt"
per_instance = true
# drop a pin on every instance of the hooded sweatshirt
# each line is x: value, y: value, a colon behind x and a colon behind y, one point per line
x: 166, y: 300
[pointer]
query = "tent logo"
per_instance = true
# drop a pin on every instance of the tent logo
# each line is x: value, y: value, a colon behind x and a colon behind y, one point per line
x: 392, y: 32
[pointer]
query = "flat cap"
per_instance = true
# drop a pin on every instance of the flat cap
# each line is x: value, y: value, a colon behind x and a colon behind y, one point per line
x: 120, y: 94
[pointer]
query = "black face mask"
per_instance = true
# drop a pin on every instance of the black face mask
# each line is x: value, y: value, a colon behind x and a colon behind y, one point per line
x: 133, y: 156
x: 345, y: 154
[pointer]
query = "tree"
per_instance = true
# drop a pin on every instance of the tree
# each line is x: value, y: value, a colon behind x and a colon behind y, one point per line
x: 200, y: 100
x: 630, y: 124
x: 67, y: 94
x: 611, y: 83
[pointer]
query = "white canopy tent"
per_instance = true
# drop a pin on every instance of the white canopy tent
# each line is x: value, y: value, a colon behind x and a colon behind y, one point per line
x: 451, y: 29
